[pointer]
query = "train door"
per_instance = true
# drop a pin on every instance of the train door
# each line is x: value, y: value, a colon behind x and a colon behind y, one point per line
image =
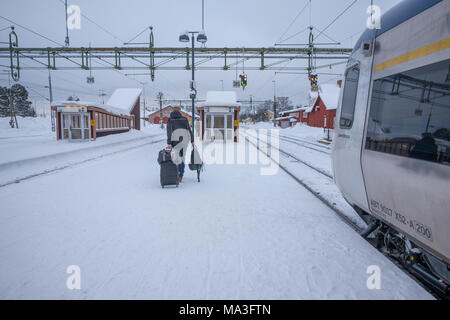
x: 349, y: 130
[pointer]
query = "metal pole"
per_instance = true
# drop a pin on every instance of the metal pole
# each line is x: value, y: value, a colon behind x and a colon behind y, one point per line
x: 274, y: 104
x: 144, y: 111
x: 203, y: 15
x: 50, y: 87
x: 67, y: 28
x: 193, y: 78
x: 13, y: 120
x: 161, y: 121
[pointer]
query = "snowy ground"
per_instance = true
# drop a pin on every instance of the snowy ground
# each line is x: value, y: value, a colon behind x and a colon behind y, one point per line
x: 235, y: 235
x: 34, y: 139
x: 33, y: 149
x: 306, y: 146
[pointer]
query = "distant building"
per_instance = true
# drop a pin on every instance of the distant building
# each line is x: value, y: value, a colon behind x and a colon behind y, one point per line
x: 80, y: 120
x: 269, y: 114
x: 219, y: 116
x: 289, y: 118
x: 155, y: 117
x: 322, y: 112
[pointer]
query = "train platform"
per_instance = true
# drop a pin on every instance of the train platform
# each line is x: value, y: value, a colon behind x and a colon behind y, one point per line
x: 235, y: 235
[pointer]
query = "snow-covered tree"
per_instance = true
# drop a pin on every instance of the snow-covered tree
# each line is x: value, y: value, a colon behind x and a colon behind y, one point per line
x: 22, y: 107
x: 4, y: 102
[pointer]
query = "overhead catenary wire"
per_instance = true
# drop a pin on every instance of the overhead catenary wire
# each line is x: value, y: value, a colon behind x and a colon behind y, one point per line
x: 335, y: 19
x: 3, y: 29
x: 97, y: 25
x: 328, y: 37
x: 295, y: 34
x: 33, y: 32
x: 293, y: 21
x: 135, y: 37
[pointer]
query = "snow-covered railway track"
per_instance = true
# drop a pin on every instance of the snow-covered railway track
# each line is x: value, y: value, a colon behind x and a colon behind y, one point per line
x: 307, y: 144
x: 326, y: 201
x: 321, y: 171
x: 329, y: 203
x: 306, y: 163
x: 59, y: 168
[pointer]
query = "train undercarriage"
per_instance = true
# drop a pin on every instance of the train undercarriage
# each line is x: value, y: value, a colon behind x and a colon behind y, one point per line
x: 430, y: 270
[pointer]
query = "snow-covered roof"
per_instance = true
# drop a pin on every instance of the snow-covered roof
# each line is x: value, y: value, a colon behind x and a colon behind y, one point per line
x: 330, y: 95
x: 114, y: 109
x: 124, y: 98
x: 309, y: 109
x: 74, y: 103
x: 284, y: 118
x: 293, y: 110
x: 220, y: 99
x: 91, y: 104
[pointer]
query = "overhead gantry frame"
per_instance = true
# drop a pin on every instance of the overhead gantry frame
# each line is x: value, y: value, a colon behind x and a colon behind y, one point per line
x: 144, y: 58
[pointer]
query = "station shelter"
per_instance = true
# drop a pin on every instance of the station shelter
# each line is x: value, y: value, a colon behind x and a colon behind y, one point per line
x: 219, y: 116
x: 84, y: 121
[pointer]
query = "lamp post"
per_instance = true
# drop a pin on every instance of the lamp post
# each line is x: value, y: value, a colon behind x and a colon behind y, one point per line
x: 274, y: 104
x: 201, y: 37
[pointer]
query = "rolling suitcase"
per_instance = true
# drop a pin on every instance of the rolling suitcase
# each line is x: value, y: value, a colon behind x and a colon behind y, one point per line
x: 169, y: 170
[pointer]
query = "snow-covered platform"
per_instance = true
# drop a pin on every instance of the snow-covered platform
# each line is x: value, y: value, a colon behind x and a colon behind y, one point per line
x: 235, y: 235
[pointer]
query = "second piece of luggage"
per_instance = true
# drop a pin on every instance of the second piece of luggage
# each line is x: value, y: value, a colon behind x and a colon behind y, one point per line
x: 196, y: 163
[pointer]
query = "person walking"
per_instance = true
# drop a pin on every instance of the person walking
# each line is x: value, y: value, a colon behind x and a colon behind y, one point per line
x: 178, y: 122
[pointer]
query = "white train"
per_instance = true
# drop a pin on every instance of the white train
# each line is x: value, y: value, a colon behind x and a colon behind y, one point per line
x: 391, y: 151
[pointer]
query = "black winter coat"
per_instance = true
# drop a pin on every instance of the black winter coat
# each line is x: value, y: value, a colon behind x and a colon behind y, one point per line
x: 177, y: 121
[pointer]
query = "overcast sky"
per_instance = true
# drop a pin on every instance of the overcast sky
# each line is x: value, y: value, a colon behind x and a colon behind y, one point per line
x: 230, y: 23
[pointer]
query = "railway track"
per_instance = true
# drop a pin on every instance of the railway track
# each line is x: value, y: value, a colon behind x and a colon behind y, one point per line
x: 93, y: 158
x: 307, y: 144
x: 321, y: 171
x: 338, y: 212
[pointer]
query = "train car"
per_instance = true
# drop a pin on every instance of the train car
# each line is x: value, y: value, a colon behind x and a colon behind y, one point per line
x: 391, y: 152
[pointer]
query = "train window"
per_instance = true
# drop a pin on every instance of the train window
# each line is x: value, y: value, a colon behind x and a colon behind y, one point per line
x: 410, y: 114
x: 349, y: 97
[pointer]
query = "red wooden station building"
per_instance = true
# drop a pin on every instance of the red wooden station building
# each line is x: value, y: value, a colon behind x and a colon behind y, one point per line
x: 81, y: 120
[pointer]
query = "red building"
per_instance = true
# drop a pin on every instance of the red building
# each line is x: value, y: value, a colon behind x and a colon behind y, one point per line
x: 155, y: 117
x: 323, y: 111
x: 78, y: 120
x: 290, y: 117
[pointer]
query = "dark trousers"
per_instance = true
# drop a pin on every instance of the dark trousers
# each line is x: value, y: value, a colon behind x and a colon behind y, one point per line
x: 181, y: 166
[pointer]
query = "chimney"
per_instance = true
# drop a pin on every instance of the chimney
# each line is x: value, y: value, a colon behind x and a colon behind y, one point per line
x: 339, y: 83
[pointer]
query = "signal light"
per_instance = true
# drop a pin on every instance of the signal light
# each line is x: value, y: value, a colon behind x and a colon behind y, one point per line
x: 313, y: 79
x: 243, y: 80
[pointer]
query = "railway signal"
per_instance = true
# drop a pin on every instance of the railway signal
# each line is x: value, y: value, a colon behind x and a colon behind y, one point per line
x: 243, y: 80
x: 313, y: 79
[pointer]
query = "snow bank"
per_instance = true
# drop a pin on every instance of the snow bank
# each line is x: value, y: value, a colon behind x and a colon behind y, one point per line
x: 35, y: 139
x: 27, y: 127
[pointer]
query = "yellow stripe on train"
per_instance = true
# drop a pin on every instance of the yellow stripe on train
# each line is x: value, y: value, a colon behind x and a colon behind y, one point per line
x: 415, y: 54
